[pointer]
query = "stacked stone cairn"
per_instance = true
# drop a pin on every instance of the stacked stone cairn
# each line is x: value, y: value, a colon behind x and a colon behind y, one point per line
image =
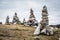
x: 15, y: 19
x: 7, y: 21
x: 32, y: 21
x: 43, y: 26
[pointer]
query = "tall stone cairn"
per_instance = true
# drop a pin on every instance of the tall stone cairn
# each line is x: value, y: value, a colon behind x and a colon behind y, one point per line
x: 15, y: 19
x: 7, y: 21
x: 31, y: 18
x: 44, y: 21
x: 31, y: 14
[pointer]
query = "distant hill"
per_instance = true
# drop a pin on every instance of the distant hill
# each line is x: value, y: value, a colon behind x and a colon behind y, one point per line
x: 21, y: 32
x: 58, y: 25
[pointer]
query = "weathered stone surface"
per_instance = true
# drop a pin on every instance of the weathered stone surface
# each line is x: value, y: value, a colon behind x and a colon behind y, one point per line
x: 7, y: 20
x: 32, y: 20
x: 37, y: 31
x: 15, y: 19
x: 44, y: 22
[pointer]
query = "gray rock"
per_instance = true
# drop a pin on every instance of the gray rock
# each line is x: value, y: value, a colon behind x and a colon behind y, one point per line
x: 15, y: 19
x: 7, y: 20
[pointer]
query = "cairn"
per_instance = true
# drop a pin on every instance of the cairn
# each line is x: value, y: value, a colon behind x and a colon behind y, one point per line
x: 32, y: 20
x: 15, y: 19
x: 44, y: 27
x: 7, y: 21
x: 44, y: 22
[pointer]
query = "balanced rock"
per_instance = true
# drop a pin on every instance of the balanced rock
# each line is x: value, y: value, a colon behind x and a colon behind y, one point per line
x: 15, y: 19
x: 7, y: 20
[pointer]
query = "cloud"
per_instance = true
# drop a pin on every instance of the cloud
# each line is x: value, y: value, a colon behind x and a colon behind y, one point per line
x: 22, y: 7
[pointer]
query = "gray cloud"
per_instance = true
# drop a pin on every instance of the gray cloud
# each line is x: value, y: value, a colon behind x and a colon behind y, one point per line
x: 22, y: 7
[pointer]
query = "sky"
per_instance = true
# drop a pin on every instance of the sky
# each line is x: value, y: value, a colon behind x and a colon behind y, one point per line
x: 22, y: 8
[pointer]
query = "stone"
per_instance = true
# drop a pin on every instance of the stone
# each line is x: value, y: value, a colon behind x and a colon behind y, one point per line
x: 44, y: 22
x: 7, y: 20
x: 15, y: 19
x: 36, y: 38
x: 32, y: 20
x: 37, y: 31
x: 43, y: 31
x: 43, y: 26
x: 50, y: 30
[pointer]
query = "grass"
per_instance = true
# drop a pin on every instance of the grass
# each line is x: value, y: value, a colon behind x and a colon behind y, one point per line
x: 21, y: 32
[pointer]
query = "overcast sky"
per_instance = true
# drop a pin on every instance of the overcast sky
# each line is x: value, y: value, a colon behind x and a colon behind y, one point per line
x: 22, y: 8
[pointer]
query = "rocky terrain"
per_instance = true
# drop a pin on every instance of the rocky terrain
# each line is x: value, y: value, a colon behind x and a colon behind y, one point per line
x: 21, y: 32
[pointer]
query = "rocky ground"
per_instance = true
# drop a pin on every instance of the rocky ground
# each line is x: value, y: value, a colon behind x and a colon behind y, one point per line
x: 20, y: 32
